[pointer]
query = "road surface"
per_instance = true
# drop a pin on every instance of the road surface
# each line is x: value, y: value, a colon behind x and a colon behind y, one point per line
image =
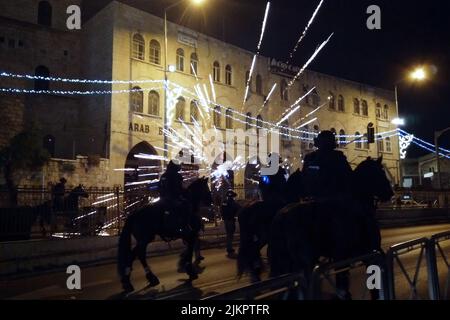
x: 218, y: 275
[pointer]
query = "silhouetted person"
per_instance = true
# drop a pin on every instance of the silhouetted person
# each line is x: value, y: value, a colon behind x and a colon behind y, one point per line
x: 58, y: 193
x: 327, y: 180
x: 171, y: 183
x: 229, y: 210
x: 327, y: 173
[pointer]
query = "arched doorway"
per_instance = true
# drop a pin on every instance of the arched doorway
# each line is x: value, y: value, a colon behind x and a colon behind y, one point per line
x: 251, y: 179
x: 142, y: 172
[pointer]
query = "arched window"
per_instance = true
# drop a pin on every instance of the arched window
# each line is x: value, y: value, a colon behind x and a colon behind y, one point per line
x: 194, y: 110
x: 179, y: 109
x: 228, y: 75
x: 180, y: 59
x: 194, y: 64
x: 229, y: 119
x: 380, y: 144
x: 341, y: 103
x: 315, y: 98
x: 358, y: 142
x: 49, y: 145
x: 138, y: 47
x: 378, y: 111
x: 45, y: 14
x: 258, y: 84
x: 259, y: 122
x: 316, y: 129
x: 248, y: 121
x: 332, y: 101
x: 216, y: 117
x: 365, y: 108
x: 386, y: 112
x: 283, y: 90
x: 155, y: 52
x: 40, y: 84
x: 137, y: 100
x: 153, y: 103
x: 305, y: 91
x: 216, y: 71
x: 366, y: 144
x: 356, y: 107
x: 342, y: 139
x: 388, y: 144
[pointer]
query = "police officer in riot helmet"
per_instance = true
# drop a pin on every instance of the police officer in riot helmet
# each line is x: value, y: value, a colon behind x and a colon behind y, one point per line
x: 171, y: 183
x: 327, y: 173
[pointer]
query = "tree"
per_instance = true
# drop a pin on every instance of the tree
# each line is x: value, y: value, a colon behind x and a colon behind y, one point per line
x: 25, y: 152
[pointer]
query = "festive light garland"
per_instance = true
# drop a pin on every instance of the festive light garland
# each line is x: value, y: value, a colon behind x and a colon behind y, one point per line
x: 68, y: 80
x: 423, y: 141
x: 76, y: 92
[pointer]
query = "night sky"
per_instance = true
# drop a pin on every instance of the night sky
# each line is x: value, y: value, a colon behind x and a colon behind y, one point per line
x: 413, y: 33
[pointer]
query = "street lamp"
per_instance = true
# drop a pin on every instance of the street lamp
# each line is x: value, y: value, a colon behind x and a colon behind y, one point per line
x: 437, y: 135
x: 419, y: 74
x: 170, y: 68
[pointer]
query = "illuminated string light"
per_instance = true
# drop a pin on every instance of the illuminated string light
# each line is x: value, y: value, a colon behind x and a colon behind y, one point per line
x: 429, y: 149
x: 291, y: 55
x: 310, y: 60
x: 423, y: 141
x: 76, y: 92
x: 68, y: 80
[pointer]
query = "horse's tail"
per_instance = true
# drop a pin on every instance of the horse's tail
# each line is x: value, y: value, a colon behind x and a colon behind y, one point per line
x: 124, y: 250
x: 277, y: 251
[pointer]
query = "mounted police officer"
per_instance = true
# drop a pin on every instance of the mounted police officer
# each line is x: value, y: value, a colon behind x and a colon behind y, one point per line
x: 327, y: 177
x: 58, y: 193
x: 229, y: 210
x: 171, y: 194
x: 327, y: 173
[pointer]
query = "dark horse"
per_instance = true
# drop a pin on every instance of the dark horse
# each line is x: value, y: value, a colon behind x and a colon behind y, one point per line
x: 254, y: 224
x: 69, y: 209
x: 301, y: 233
x: 152, y: 220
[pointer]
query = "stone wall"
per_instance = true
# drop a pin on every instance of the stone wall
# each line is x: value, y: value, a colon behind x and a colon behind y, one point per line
x: 79, y: 171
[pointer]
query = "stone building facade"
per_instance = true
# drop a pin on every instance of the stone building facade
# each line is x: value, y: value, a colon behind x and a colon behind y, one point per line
x: 123, y: 43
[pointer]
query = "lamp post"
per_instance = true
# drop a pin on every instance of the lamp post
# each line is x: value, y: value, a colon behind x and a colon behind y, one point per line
x: 166, y: 86
x: 437, y: 135
x: 419, y: 74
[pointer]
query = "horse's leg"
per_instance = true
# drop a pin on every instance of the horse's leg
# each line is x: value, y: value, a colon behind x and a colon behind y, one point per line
x: 141, y: 252
x: 187, y: 259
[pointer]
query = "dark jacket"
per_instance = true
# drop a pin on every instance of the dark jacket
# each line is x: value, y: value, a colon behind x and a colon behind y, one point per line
x: 171, y: 185
x: 326, y: 174
x: 229, y: 209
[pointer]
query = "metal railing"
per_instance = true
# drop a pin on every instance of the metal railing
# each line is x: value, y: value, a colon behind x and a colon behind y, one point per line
x: 393, y: 258
x: 276, y: 288
x: 329, y: 272
x: 435, y: 250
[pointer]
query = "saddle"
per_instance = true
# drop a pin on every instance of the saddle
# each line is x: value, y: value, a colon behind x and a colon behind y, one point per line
x: 175, y: 219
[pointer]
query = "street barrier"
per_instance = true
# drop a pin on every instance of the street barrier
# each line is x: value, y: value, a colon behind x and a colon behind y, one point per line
x: 329, y: 272
x: 436, y: 249
x: 393, y: 258
x: 279, y: 287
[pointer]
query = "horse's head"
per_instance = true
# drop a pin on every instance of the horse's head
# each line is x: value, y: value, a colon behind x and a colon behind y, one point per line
x: 274, y: 185
x: 199, y: 191
x: 79, y: 191
x: 294, y: 186
x: 370, y: 179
